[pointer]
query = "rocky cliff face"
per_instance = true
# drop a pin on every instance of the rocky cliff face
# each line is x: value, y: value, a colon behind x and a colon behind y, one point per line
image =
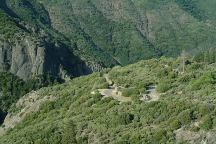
x: 22, y: 58
x: 32, y: 48
x: 108, y: 33
x: 28, y: 57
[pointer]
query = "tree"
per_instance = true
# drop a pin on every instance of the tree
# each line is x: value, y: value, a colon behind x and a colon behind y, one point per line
x: 164, y: 86
x: 69, y: 134
x: 206, y: 59
x: 185, y: 117
x: 183, y: 58
x: 175, y: 124
x: 212, y: 57
x: 207, y: 122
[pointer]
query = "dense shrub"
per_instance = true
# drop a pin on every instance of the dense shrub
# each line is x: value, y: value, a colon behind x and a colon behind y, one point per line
x: 207, y: 56
x: 205, y: 80
x: 206, y: 122
x: 69, y: 133
x: 175, y: 124
x: 12, y: 87
x: 7, y: 26
x: 130, y: 92
x: 160, y: 134
x: 164, y: 86
x: 100, y: 83
x: 108, y: 120
x: 186, y: 78
x: 124, y: 118
x: 214, y: 122
x: 185, y: 117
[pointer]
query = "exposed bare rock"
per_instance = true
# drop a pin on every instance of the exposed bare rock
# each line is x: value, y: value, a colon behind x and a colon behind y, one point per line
x: 27, y: 104
x: 29, y: 57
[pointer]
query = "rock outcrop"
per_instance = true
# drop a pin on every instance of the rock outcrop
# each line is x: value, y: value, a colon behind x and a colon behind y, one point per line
x: 30, y: 48
x: 26, y: 105
x: 29, y: 57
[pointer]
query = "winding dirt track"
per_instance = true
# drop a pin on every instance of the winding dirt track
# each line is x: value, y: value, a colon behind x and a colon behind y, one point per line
x: 113, y: 91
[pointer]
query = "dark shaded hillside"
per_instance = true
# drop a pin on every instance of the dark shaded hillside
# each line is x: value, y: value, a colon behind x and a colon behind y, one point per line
x: 132, y: 30
x: 107, y: 33
x: 32, y: 55
x: 86, y: 24
x: 5, y: 8
x: 29, y: 11
x: 192, y: 8
x: 31, y: 49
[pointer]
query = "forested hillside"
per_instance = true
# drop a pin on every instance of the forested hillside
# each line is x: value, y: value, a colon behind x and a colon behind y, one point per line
x: 31, y: 54
x: 132, y: 30
x: 37, y: 19
x: 107, y: 33
x: 79, y: 112
x: 153, y: 65
x: 125, y: 31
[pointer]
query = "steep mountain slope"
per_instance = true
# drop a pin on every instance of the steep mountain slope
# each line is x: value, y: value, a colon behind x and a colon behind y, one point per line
x: 132, y: 30
x: 107, y: 33
x: 34, y: 13
x: 28, y: 50
x: 32, y: 55
x: 153, y: 101
x: 75, y: 112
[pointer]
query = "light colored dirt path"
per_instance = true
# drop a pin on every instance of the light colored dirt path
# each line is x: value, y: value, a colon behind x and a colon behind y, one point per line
x: 113, y: 91
x: 115, y: 94
x: 151, y: 95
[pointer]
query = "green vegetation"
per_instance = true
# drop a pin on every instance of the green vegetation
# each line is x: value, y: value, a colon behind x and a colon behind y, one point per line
x: 207, y: 123
x: 207, y: 56
x: 78, y: 116
x: 102, y: 34
x: 207, y: 80
x: 164, y: 86
x: 109, y: 33
x: 29, y: 11
x: 7, y: 26
x: 13, y: 88
x: 133, y: 30
x: 191, y: 7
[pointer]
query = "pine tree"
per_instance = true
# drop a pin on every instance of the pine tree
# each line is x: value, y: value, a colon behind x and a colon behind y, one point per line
x: 211, y: 55
x: 69, y: 134
x: 183, y: 58
x: 206, y: 59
